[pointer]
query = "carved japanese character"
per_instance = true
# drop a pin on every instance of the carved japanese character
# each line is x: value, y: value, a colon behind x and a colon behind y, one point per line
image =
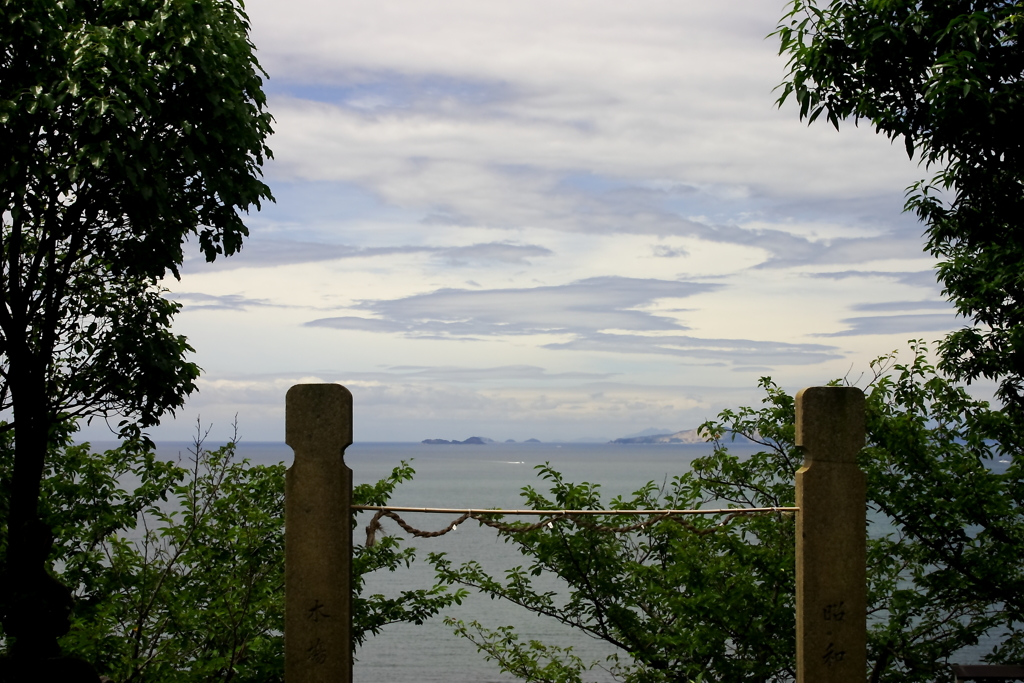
x: 316, y: 612
x: 317, y: 652
x: 833, y: 656
x: 835, y: 611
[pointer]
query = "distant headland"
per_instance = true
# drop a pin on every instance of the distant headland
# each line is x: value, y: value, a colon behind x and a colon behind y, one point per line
x: 685, y: 436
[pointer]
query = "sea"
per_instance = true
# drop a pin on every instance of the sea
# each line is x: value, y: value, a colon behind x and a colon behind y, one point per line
x: 491, y: 476
x: 483, y: 476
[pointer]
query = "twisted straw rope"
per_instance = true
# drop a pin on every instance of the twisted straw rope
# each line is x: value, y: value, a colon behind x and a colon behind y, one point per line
x: 573, y: 516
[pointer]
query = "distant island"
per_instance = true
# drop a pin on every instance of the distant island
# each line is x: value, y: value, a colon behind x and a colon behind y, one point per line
x: 685, y: 436
x: 471, y: 441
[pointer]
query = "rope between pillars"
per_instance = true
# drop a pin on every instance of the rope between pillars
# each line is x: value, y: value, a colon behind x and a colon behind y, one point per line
x: 483, y: 517
x: 471, y: 511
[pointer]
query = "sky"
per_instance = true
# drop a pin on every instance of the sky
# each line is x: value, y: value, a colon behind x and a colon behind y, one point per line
x: 553, y: 220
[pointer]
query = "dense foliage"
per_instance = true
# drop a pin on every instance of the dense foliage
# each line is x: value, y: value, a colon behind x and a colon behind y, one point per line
x: 675, y: 602
x: 707, y: 599
x: 126, y: 128
x: 947, y: 78
x: 715, y: 602
x: 941, y: 469
x: 179, y: 577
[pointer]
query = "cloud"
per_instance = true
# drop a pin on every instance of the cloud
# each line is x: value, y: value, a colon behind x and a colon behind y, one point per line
x: 376, y: 91
x: 597, y: 314
x: 349, y: 322
x: 581, y: 307
x: 490, y: 192
x: 790, y: 250
x: 503, y: 373
x: 226, y: 302
x: 744, y: 351
x: 498, y: 252
x: 665, y: 251
x: 895, y: 324
x: 667, y: 86
x: 916, y: 278
x: 268, y: 253
x: 904, y: 306
x: 659, y: 120
x: 922, y: 279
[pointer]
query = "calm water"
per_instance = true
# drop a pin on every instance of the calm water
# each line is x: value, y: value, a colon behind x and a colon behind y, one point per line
x: 478, y: 477
x: 482, y: 477
x: 488, y: 476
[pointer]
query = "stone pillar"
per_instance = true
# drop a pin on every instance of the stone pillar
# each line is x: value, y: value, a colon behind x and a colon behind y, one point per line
x: 318, y: 536
x: 831, y: 550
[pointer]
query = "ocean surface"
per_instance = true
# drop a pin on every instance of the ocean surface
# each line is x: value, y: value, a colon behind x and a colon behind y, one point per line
x: 486, y: 477
x: 464, y: 476
x: 489, y: 476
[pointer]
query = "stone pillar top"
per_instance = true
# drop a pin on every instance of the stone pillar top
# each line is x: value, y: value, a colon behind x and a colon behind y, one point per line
x: 318, y: 419
x: 830, y: 423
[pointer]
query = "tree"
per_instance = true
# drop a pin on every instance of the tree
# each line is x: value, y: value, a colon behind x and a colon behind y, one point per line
x: 678, y: 600
x: 939, y: 466
x: 180, y: 577
x: 699, y: 599
x: 126, y: 128
x: 946, y: 77
x: 715, y: 603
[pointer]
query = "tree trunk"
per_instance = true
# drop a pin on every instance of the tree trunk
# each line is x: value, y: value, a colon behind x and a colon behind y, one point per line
x: 36, y: 607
